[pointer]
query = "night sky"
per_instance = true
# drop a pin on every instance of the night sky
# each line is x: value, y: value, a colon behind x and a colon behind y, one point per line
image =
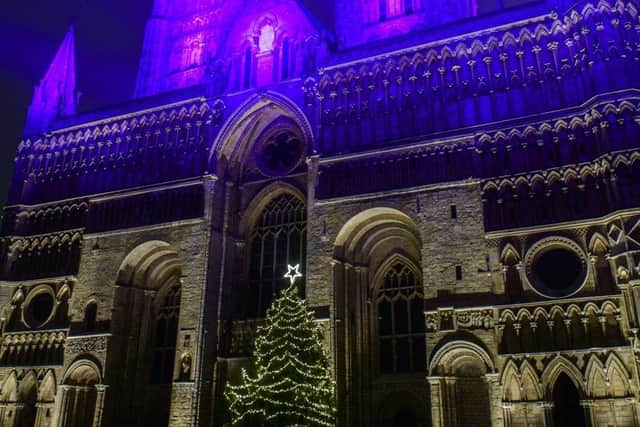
x: 109, y: 36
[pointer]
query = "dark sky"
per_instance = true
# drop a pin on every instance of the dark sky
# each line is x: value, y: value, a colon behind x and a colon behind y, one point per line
x: 109, y: 36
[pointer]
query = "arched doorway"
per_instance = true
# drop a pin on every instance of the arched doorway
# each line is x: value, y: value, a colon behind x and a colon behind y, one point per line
x: 458, y: 375
x: 28, y: 398
x: 566, y: 403
x: 145, y: 327
x: 80, y: 395
x: 380, y: 335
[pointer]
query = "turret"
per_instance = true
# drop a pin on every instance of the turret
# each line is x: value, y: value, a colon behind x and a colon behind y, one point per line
x: 55, y: 96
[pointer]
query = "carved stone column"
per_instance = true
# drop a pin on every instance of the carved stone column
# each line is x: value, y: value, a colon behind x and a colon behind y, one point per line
x: 450, y: 418
x: 547, y: 413
x: 19, y: 409
x: 495, y: 399
x: 507, y: 408
x: 63, y: 410
x: 43, y: 414
x: 437, y: 401
x: 587, y: 406
x: 101, y: 390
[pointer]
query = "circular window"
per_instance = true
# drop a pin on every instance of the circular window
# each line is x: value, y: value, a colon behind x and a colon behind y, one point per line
x: 40, y: 309
x: 281, y: 154
x: 556, y: 271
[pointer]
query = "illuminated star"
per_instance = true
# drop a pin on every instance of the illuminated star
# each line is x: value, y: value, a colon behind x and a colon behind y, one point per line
x: 293, y: 273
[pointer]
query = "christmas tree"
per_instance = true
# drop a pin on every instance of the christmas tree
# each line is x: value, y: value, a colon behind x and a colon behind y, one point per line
x: 292, y: 383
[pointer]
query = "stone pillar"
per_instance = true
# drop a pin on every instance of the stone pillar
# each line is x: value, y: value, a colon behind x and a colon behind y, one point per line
x: 101, y: 390
x: 19, y: 407
x: 63, y: 410
x: 507, y: 407
x: 450, y: 418
x: 437, y: 403
x: 495, y: 399
x: 547, y: 411
x: 44, y: 408
x: 587, y: 406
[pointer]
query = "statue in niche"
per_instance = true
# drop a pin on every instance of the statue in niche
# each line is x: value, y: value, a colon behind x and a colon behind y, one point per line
x: 185, y: 366
x: 266, y: 38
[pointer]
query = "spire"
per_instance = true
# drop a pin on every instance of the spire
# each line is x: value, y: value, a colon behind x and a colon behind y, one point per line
x: 55, y: 96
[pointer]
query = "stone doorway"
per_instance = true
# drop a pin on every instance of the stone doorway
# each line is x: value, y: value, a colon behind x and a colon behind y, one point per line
x: 566, y: 404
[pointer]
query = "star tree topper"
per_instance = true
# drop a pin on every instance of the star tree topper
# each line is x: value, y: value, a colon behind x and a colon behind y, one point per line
x: 293, y: 273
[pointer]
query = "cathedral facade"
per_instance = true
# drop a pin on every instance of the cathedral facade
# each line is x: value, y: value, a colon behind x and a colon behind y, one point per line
x: 459, y: 182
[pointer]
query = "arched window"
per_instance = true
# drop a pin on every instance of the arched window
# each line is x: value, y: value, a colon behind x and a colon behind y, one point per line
x: 166, y: 333
x: 278, y: 239
x: 285, y: 59
x: 90, y: 314
x: 401, y: 332
x: 248, y: 59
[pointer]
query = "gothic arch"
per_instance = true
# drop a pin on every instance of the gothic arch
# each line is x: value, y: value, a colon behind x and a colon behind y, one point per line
x: 247, y: 124
x: 145, y: 325
x: 558, y: 366
x: 362, y: 238
x: 262, y: 199
x: 511, y: 388
x: 369, y: 245
x: 9, y: 391
x: 149, y: 265
x: 530, y: 382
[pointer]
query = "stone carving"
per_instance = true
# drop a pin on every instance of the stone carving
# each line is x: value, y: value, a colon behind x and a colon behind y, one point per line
x: 93, y: 344
x: 185, y: 366
x: 475, y: 319
x: 431, y: 322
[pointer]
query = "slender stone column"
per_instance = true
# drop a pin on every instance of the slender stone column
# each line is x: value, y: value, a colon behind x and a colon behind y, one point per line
x: 495, y: 399
x: 63, y: 412
x: 101, y: 390
x: 437, y: 404
x: 547, y: 408
x: 19, y: 409
x: 450, y: 419
x: 507, y: 408
x: 587, y: 406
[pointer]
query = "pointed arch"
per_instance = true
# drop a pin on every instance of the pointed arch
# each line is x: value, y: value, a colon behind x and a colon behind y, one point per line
x: 239, y: 133
x: 510, y: 383
x: 10, y: 388
x: 149, y: 265
x: 531, y: 390
x: 361, y: 236
x: 560, y: 365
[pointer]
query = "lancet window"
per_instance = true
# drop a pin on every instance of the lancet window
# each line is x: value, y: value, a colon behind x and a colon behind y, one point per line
x: 165, y: 337
x: 278, y: 239
x: 401, y: 331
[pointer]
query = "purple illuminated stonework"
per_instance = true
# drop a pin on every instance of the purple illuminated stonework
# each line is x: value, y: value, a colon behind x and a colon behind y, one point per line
x: 458, y: 181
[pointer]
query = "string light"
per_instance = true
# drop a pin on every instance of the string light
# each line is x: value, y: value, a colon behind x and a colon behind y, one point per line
x: 292, y: 384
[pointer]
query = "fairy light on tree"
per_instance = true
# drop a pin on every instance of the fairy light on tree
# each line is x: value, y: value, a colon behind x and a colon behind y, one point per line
x: 292, y: 384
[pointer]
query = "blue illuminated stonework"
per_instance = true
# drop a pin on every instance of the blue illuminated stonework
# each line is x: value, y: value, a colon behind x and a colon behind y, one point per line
x: 459, y: 182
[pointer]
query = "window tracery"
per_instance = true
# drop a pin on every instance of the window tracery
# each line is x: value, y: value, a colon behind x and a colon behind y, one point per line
x: 165, y: 337
x: 401, y: 326
x: 278, y: 239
